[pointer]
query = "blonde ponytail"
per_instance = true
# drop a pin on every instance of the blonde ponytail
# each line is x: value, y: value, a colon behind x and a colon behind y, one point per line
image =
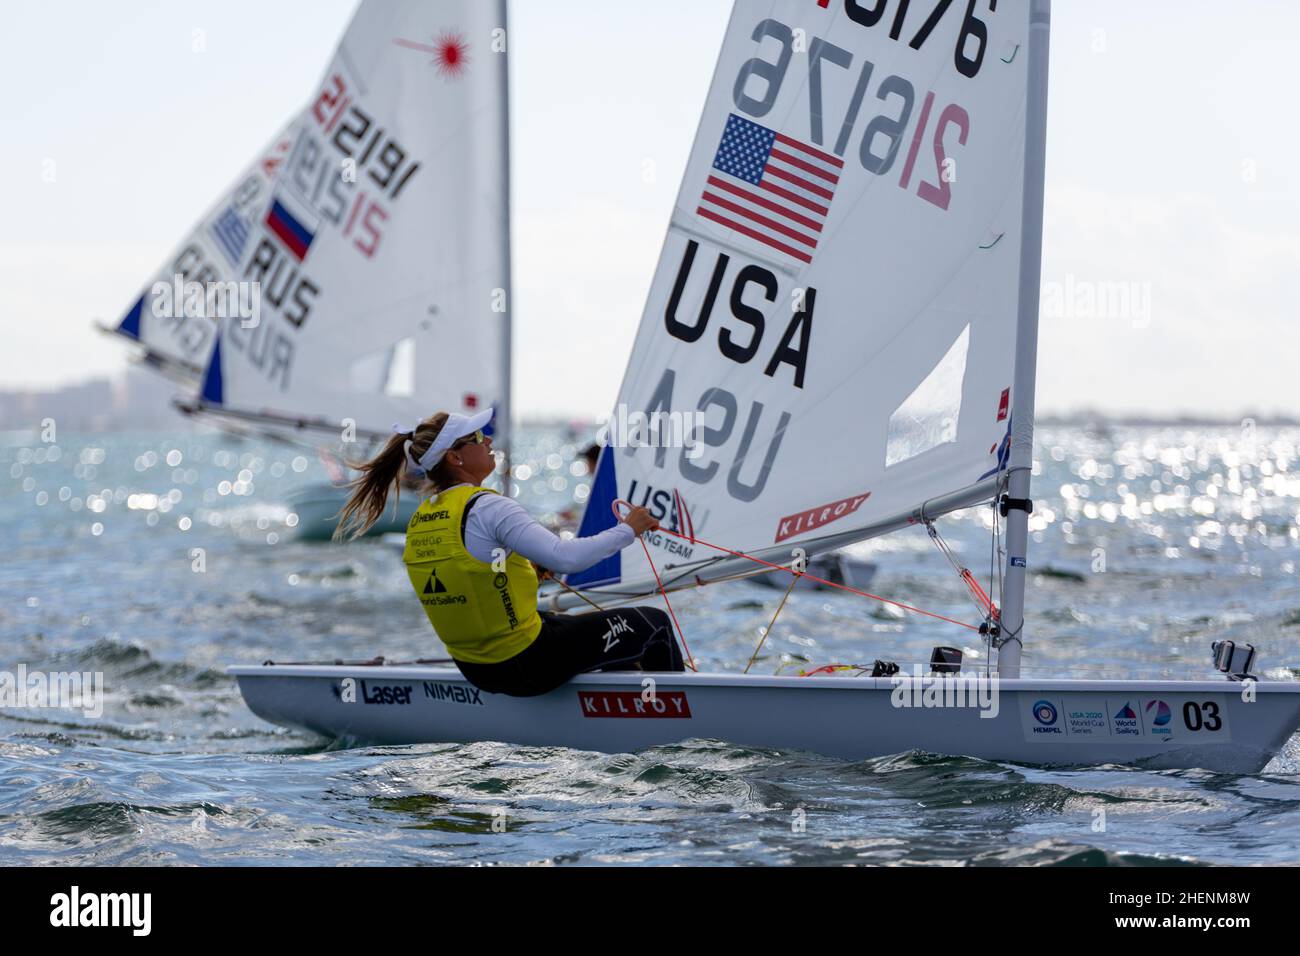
x: 379, y: 475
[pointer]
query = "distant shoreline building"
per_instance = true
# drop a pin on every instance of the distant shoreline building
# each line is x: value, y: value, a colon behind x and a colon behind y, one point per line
x: 138, y: 399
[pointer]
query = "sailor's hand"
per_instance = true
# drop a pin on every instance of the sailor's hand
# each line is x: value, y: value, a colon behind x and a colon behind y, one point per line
x: 640, y: 521
x: 542, y: 573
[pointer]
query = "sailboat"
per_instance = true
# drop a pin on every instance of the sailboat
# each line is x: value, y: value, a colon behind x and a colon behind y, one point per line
x: 853, y: 263
x: 172, y: 331
x: 375, y: 234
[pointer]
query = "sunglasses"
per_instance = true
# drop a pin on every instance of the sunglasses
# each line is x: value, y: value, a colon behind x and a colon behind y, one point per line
x: 478, y: 438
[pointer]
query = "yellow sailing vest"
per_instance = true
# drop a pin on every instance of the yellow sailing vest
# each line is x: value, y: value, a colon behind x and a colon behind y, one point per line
x: 483, y: 616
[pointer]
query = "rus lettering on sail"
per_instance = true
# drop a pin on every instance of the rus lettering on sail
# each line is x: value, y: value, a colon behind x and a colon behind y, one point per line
x: 285, y: 287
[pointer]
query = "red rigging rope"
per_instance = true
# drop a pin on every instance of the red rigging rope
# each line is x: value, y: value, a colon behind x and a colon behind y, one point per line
x: 980, y: 595
x: 779, y: 567
x: 982, y: 601
x: 690, y: 658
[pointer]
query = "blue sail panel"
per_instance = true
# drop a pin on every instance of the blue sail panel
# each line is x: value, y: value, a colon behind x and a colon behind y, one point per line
x: 599, y: 516
x: 130, y: 324
x: 212, y: 390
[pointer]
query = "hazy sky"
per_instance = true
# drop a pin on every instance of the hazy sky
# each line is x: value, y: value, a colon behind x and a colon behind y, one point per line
x: 1172, y: 140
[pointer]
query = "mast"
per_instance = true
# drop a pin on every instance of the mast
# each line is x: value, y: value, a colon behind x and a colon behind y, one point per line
x: 504, y: 422
x: 1022, y: 400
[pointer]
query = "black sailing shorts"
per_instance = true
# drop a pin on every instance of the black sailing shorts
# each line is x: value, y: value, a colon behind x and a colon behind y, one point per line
x: 628, y: 639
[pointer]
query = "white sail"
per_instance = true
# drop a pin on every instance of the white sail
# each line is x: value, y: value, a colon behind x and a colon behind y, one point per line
x: 838, y: 290
x: 381, y: 251
x: 177, y: 331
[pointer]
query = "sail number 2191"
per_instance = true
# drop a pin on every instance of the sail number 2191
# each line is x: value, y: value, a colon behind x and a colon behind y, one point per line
x: 759, y: 84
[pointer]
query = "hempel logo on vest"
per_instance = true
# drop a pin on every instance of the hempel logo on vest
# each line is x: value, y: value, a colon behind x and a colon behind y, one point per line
x: 501, y: 583
x: 628, y: 703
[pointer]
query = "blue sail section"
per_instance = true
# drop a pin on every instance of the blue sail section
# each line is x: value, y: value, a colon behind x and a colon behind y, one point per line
x: 599, y: 516
x: 212, y: 392
x: 130, y: 325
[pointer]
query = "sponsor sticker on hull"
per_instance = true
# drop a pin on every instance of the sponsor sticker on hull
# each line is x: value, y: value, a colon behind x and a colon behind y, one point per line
x: 1086, y: 719
x: 455, y: 693
x: 1045, y: 720
x: 1124, y: 719
x: 1158, y: 718
x: 631, y: 704
x: 1137, y: 719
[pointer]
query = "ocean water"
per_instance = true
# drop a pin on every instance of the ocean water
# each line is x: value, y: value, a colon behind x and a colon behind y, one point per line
x: 158, y: 559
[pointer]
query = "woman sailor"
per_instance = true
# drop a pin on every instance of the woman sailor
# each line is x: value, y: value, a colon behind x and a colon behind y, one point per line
x: 470, y: 554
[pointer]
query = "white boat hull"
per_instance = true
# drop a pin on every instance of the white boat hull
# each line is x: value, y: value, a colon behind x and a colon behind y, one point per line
x: 1174, y: 724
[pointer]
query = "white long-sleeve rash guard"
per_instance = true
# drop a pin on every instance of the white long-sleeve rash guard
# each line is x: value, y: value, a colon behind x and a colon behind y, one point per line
x: 496, y: 521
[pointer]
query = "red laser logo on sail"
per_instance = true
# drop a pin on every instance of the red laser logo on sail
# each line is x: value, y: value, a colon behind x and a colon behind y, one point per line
x: 450, y: 52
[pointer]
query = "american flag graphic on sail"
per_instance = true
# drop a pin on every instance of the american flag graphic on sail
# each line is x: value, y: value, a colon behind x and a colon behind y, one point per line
x: 770, y: 187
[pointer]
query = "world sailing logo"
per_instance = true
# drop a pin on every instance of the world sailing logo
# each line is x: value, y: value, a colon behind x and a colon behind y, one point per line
x: 1124, y: 722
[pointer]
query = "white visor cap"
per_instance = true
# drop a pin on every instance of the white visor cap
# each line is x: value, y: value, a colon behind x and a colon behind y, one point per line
x: 456, y: 427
